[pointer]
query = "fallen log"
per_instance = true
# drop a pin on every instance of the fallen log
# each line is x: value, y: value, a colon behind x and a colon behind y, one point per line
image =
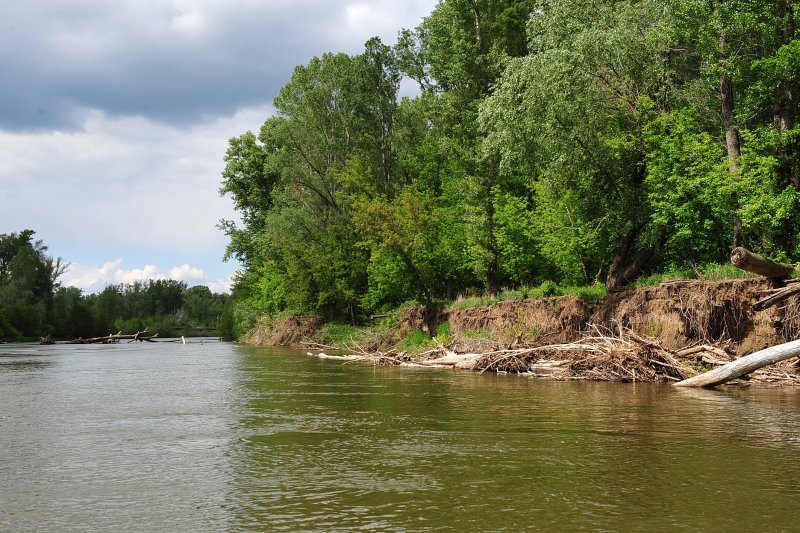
x: 743, y: 365
x: 757, y: 264
x: 777, y: 297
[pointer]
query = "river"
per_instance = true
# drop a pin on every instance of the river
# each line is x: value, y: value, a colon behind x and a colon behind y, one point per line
x: 216, y: 436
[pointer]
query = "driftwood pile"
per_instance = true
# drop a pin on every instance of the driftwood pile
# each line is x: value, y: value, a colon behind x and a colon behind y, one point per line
x: 619, y: 355
x: 602, y: 355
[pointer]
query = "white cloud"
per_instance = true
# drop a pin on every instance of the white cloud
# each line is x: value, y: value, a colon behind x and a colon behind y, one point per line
x: 187, y: 273
x: 137, y: 274
x: 221, y: 285
x: 90, y: 278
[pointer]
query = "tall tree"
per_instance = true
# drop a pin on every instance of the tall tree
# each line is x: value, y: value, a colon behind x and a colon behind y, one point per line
x: 574, y: 114
x: 457, y: 53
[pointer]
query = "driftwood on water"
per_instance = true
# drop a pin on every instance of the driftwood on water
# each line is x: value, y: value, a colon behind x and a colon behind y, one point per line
x: 140, y: 336
x: 744, y: 365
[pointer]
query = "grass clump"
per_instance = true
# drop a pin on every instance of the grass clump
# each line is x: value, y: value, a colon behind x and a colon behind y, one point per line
x: 478, y: 334
x: 444, y: 333
x: 588, y: 293
x: 416, y: 341
x: 714, y: 272
x: 468, y: 302
x: 546, y: 289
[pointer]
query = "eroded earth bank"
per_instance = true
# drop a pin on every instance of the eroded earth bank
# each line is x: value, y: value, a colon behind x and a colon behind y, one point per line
x: 665, y: 332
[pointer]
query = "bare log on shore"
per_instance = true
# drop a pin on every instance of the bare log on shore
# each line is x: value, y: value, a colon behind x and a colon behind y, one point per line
x: 743, y: 365
x: 757, y: 264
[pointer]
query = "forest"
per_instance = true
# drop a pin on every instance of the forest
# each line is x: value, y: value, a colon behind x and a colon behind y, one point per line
x: 504, y: 144
x: 33, y: 304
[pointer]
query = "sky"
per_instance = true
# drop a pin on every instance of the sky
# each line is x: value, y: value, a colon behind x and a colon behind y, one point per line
x: 115, y: 118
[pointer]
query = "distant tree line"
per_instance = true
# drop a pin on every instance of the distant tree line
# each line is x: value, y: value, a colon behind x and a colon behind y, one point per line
x: 551, y: 140
x: 33, y: 304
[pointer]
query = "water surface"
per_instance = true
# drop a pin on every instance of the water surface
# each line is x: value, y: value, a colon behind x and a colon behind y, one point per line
x: 214, y: 436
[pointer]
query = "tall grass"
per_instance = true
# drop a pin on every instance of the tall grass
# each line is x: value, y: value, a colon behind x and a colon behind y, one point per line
x: 589, y: 293
x: 341, y: 335
x: 704, y: 272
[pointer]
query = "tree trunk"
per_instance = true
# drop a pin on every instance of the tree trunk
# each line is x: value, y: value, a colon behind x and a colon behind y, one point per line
x: 619, y: 273
x: 786, y: 107
x: 614, y: 280
x: 757, y: 264
x: 491, y: 170
x: 743, y: 365
x: 732, y: 142
x: 493, y: 271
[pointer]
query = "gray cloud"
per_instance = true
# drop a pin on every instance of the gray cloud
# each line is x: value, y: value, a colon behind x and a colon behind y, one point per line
x: 115, y: 116
x: 176, y: 61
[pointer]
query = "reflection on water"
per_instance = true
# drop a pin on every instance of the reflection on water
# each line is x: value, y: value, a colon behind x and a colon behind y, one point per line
x: 214, y: 436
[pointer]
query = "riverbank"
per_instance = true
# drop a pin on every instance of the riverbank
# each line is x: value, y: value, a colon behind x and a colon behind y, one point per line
x: 659, y: 333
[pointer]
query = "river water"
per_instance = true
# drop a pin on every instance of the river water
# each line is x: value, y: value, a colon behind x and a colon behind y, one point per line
x: 215, y: 436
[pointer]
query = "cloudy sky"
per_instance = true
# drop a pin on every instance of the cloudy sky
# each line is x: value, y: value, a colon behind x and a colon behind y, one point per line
x: 115, y: 116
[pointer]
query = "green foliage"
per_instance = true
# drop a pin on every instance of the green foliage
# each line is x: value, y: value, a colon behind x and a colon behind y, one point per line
x: 554, y: 148
x: 225, y: 326
x: 28, y: 279
x: 417, y: 341
x: 444, y: 333
x: 689, y: 188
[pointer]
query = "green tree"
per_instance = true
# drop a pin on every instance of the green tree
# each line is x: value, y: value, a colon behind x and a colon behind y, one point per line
x: 28, y: 279
x: 336, y: 112
x: 457, y: 53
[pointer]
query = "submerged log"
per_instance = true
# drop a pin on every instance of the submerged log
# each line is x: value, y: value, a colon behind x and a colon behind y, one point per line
x: 757, y: 264
x: 743, y: 365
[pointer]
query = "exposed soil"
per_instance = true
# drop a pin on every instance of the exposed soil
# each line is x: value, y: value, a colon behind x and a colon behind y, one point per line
x: 285, y: 331
x: 677, y: 314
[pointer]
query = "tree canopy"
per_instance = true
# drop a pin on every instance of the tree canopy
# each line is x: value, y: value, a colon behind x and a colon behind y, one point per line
x: 549, y: 141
